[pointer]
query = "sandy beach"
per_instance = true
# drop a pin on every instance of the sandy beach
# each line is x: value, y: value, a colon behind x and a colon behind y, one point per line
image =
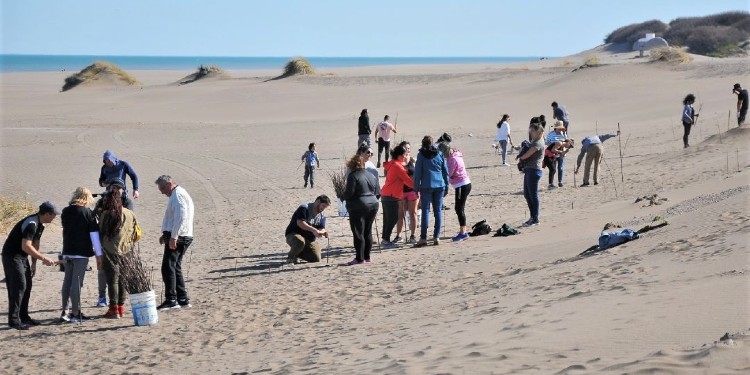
x: 489, y: 305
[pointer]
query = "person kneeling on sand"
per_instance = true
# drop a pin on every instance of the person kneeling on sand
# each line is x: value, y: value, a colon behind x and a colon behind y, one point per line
x: 307, y: 224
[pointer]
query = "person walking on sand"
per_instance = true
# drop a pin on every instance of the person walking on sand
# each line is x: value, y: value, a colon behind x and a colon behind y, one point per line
x: 177, y: 235
x: 383, y: 135
x: 307, y: 224
x: 555, y: 153
x: 114, y: 169
x: 559, y: 112
x: 80, y: 242
x: 361, y: 196
x: 431, y: 181
x: 593, y: 148
x: 364, y: 131
x: 742, y: 103
x: 459, y: 180
x: 393, y: 193
x: 22, y: 241
x: 688, y: 118
x: 116, y: 230
x: 532, y: 171
x: 310, y: 158
x: 503, y: 138
x: 408, y: 206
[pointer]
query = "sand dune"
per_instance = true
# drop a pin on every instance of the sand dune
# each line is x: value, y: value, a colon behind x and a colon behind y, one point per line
x: 522, y: 304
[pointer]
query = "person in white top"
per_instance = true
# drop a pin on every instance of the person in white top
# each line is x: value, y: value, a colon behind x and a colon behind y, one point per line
x: 383, y: 135
x: 503, y: 137
x: 177, y: 235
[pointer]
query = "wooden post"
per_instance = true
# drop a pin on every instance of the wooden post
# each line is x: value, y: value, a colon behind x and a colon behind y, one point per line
x: 619, y: 142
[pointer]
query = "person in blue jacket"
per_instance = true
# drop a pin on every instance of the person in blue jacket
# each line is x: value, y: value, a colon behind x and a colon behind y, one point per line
x: 431, y: 180
x: 114, y: 168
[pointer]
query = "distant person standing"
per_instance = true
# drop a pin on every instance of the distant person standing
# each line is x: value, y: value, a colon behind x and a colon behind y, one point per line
x: 688, y: 118
x: 310, y: 158
x: 364, y: 129
x: 592, y: 147
x: 503, y: 138
x: 559, y: 112
x: 742, y: 103
x: 22, y: 241
x: 431, y: 181
x: 383, y: 135
x: 113, y: 169
x: 177, y: 235
x: 532, y: 171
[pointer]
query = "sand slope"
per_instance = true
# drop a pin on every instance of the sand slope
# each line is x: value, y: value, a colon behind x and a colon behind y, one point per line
x: 525, y: 304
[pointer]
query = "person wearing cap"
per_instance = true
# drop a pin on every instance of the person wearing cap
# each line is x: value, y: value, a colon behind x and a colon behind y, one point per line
x: 80, y: 242
x: 307, y: 224
x: 742, y: 103
x: 559, y: 112
x: 592, y: 147
x: 114, y: 168
x: 383, y: 135
x: 364, y: 130
x: 22, y: 241
x: 177, y: 235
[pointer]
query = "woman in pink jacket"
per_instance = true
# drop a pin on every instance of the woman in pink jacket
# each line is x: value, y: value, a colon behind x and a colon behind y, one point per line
x: 459, y: 179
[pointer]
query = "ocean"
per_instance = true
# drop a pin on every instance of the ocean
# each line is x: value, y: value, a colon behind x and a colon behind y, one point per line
x: 49, y: 63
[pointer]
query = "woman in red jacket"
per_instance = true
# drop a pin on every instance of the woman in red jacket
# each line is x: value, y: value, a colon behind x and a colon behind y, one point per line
x: 393, y: 192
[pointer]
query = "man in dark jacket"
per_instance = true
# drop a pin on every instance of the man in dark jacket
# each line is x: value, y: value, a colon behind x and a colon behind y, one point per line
x: 23, y: 240
x: 114, y: 168
x: 364, y: 129
x: 742, y: 103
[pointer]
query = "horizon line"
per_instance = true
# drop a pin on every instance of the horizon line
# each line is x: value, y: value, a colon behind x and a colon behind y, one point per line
x: 270, y: 56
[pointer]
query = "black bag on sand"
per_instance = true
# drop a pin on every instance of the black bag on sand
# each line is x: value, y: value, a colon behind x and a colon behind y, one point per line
x: 480, y: 228
x: 505, y: 231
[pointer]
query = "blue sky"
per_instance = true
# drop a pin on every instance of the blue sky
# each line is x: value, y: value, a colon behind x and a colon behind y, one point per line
x: 328, y: 28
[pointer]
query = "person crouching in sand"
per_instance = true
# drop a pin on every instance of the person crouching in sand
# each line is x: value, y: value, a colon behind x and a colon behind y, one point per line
x: 307, y: 224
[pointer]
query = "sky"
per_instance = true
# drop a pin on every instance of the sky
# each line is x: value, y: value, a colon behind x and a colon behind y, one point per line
x: 335, y: 28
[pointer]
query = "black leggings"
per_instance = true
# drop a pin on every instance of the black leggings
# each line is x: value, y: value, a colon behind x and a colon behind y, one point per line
x: 462, y: 194
x: 384, y: 146
x: 551, y: 164
x: 390, y: 216
x: 687, y: 133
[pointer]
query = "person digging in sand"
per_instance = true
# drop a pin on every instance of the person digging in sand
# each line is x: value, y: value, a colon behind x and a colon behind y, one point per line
x: 592, y: 147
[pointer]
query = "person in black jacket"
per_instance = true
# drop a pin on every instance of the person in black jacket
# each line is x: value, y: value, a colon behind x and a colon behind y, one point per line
x: 361, y: 196
x: 364, y: 129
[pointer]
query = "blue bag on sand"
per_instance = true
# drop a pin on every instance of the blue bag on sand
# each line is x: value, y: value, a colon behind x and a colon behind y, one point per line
x: 611, y: 239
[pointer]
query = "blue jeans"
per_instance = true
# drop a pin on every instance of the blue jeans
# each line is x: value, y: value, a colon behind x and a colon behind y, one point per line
x: 560, y: 165
x: 531, y: 178
x: 504, y: 148
x: 434, y: 197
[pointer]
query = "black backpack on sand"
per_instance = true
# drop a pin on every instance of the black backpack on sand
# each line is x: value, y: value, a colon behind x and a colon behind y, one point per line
x: 480, y: 228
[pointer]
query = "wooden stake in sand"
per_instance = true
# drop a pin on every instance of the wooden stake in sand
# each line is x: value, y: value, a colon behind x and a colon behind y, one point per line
x: 619, y: 142
x: 738, y: 161
x: 610, y: 175
x: 729, y: 118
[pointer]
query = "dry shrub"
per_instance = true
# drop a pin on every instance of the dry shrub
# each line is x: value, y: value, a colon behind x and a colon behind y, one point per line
x: 12, y: 210
x: 670, y: 55
x: 592, y: 60
x: 205, y: 71
x: 298, y: 66
x: 99, y: 70
x: 338, y: 180
x: 714, y: 40
x: 631, y: 33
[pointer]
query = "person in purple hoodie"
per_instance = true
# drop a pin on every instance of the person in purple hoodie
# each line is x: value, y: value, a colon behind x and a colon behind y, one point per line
x: 459, y: 180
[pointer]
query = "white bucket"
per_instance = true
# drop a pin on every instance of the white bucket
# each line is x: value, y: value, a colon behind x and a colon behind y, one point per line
x: 342, y: 208
x: 143, y: 306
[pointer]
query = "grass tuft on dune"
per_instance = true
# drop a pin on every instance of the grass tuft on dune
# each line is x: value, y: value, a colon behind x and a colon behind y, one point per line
x: 100, y: 71
x: 670, y: 55
x: 298, y: 66
x: 203, y: 72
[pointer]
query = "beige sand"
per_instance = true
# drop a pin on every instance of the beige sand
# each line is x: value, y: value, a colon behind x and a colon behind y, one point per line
x: 523, y: 304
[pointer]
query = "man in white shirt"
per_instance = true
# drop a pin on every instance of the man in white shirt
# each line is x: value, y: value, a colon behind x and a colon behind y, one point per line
x: 383, y: 135
x: 177, y: 235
